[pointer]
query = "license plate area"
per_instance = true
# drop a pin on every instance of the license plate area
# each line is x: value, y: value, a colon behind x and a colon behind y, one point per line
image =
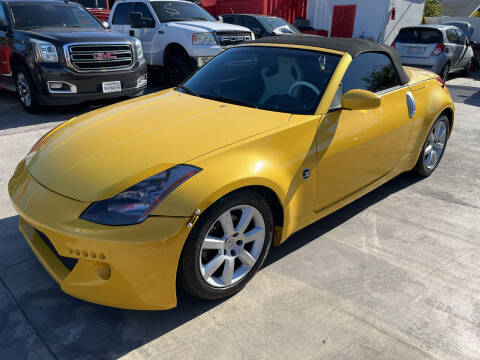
x: 111, y: 86
x: 414, y: 50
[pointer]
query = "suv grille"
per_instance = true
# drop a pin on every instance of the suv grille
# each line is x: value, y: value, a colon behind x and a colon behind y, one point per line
x: 229, y: 38
x: 99, y: 57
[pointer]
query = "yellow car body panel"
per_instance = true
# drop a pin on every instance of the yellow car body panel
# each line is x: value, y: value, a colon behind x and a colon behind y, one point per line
x: 313, y: 164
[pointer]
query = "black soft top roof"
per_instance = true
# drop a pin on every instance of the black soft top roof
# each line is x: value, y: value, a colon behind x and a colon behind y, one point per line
x: 353, y: 47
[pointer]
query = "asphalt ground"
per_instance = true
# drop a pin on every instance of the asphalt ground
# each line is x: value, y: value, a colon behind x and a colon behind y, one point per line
x: 394, y: 275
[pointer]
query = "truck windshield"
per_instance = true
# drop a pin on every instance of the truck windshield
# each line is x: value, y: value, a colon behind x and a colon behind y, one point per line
x: 269, y: 78
x: 180, y: 11
x: 31, y: 16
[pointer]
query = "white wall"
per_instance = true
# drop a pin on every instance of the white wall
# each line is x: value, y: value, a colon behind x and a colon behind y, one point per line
x: 372, y: 18
x: 474, y: 21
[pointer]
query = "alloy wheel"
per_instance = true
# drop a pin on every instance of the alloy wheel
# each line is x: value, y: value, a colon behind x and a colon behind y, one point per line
x: 435, y: 145
x: 232, y: 246
x: 24, y: 91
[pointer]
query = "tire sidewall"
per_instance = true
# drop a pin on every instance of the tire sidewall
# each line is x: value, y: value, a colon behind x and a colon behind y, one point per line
x: 183, y: 67
x: 34, y: 105
x: 421, y: 168
x: 190, y: 274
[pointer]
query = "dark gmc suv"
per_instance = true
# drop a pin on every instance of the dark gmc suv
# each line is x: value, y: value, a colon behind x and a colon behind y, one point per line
x: 56, y: 53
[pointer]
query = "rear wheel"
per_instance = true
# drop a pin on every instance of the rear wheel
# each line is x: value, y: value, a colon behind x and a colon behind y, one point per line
x: 26, y: 91
x: 227, y: 246
x: 434, y: 147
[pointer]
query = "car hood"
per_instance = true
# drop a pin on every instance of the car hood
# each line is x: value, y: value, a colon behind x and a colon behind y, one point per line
x: 206, y: 26
x: 102, y: 153
x: 61, y: 36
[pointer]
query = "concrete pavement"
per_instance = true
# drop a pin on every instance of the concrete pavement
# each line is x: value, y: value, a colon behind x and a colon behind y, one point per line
x: 392, y: 276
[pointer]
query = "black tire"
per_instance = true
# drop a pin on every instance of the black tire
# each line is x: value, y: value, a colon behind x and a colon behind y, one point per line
x: 421, y: 167
x: 466, y: 71
x: 24, y: 85
x: 445, y: 72
x: 177, y: 69
x: 190, y: 274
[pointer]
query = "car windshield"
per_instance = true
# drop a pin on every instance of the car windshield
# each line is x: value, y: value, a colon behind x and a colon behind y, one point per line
x: 269, y: 78
x: 180, y: 11
x: 31, y: 16
x: 278, y: 26
x: 419, y: 36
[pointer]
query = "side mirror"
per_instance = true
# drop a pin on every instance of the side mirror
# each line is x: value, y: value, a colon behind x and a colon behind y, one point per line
x: 360, y: 100
x: 136, y: 20
x: 220, y: 18
x: 106, y: 25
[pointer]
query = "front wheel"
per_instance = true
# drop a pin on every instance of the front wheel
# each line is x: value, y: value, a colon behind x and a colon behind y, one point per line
x: 434, y: 147
x: 227, y: 246
x: 26, y: 91
x: 177, y: 69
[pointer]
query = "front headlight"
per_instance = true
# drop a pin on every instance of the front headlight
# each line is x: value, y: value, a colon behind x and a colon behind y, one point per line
x: 45, y: 51
x: 135, y: 204
x: 139, y: 48
x: 203, y: 39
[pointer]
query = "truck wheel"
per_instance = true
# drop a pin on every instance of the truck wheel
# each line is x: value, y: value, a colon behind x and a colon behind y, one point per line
x: 178, y: 68
x: 26, y: 91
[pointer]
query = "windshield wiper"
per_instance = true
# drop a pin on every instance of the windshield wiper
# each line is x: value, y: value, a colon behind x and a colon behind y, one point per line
x: 176, y: 19
x: 230, y: 101
x: 198, y: 18
x: 187, y: 90
x: 31, y: 27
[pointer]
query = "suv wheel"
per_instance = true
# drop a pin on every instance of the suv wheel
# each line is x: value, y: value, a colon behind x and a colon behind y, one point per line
x: 26, y: 91
x: 178, y: 68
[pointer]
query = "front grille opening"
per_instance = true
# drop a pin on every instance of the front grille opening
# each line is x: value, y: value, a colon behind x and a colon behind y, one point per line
x: 69, y: 263
x: 229, y: 38
x: 100, y: 57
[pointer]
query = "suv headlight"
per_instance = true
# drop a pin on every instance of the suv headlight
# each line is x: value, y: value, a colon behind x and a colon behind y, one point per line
x: 135, y: 204
x: 139, y: 49
x: 45, y: 51
x: 203, y: 39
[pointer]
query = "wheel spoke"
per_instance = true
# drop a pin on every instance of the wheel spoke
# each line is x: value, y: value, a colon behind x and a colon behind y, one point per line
x: 213, y: 265
x: 245, y: 219
x: 428, y: 149
x: 246, y: 258
x: 227, y: 274
x: 254, y: 234
x: 227, y: 223
x: 212, y: 243
x: 433, y: 158
x: 439, y: 147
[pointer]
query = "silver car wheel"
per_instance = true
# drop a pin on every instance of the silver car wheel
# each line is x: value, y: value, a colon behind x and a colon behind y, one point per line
x: 435, y: 145
x: 232, y: 246
x: 24, y: 91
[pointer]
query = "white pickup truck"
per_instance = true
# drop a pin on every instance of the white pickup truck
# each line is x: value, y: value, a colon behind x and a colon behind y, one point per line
x: 178, y: 35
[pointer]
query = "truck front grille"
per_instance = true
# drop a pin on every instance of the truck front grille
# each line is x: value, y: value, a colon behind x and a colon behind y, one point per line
x: 99, y: 57
x: 229, y: 38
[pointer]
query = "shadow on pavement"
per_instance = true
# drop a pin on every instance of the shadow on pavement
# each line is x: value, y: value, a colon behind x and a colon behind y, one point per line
x: 72, y: 328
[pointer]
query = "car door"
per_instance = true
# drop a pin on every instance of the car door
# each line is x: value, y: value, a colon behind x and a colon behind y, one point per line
x: 463, y: 44
x: 5, y: 50
x: 147, y: 34
x: 358, y: 147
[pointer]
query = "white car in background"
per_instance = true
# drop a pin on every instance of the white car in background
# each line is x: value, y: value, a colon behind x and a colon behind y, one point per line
x: 177, y: 35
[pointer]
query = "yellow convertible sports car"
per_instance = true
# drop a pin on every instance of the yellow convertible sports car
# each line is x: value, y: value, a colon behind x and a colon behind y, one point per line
x: 196, y: 183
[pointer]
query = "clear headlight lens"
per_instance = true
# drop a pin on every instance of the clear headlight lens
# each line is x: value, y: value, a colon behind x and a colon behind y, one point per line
x: 45, y: 51
x: 135, y: 204
x: 203, y: 39
x: 139, y: 48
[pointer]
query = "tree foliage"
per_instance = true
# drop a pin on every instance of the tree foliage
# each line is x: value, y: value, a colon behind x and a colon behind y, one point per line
x: 432, y: 8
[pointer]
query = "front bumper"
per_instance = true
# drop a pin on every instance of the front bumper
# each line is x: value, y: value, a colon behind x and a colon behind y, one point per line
x: 132, y: 267
x: 88, y: 85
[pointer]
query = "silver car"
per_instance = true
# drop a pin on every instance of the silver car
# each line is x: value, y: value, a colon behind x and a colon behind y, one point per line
x: 442, y: 49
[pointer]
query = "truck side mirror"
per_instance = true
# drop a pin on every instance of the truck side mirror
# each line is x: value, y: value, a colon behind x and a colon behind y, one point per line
x: 136, y: 20
x: 106, y: 25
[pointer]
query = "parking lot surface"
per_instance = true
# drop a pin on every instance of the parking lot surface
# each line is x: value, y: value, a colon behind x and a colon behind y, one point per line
x: 394, y: 275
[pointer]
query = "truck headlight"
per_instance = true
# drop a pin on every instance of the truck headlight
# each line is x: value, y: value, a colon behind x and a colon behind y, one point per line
x: 44, y: 51
x: 206, y: 38
x: 135, y: 204
x: 139, y: 49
